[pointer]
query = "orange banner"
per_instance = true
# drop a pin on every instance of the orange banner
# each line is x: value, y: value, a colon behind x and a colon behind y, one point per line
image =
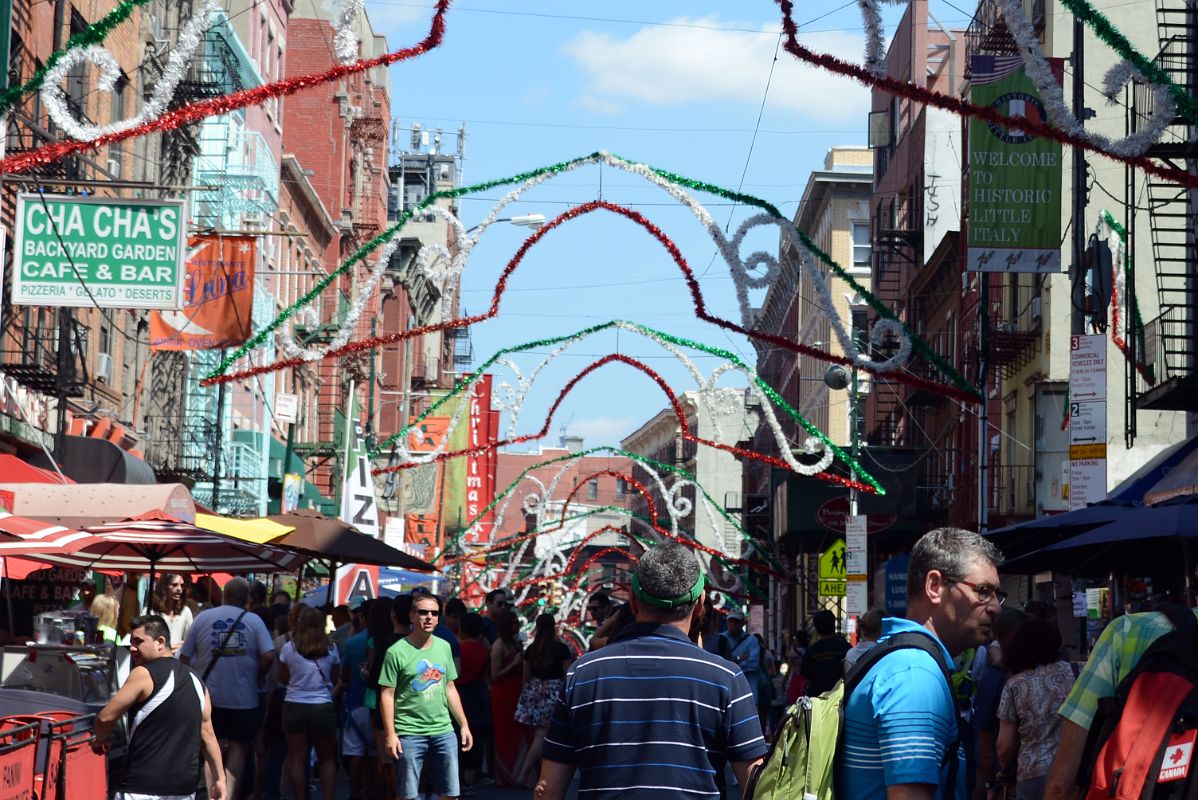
x: 422, y: 486
x: 218, y: 297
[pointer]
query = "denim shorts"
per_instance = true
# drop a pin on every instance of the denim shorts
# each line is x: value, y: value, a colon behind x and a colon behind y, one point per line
x: 442, y: 754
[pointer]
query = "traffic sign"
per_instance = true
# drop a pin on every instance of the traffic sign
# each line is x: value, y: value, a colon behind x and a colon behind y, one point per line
x: 1087, y: 420
x: 833, y: 570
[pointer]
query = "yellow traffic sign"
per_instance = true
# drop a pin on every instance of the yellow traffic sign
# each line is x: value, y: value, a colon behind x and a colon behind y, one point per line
x: 833, y: 570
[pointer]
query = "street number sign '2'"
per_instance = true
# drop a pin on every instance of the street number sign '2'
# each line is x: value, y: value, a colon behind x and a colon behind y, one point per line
x: 99, y: 251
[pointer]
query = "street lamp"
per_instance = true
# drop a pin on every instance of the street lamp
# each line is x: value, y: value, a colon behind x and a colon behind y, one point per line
x: 533, y: 221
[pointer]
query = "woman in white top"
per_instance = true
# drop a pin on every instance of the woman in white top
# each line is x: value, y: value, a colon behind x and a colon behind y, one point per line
x: 310, y: 666
x: 170, y: 601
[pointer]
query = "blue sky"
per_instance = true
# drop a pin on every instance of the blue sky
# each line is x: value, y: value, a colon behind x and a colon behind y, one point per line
x: 678, y: 85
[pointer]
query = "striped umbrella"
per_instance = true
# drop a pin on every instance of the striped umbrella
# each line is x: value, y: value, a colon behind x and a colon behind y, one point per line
x: 24, y: 538
x: 156, y: 541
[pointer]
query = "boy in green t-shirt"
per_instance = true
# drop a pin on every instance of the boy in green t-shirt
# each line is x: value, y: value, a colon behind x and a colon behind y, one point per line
x: 418, y: 694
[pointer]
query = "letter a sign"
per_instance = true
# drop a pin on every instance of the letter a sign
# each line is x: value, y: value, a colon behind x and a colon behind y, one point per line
x: 359, y: 507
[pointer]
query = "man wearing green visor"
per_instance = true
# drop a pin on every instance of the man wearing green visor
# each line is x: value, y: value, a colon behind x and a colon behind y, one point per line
x: 639, y: 717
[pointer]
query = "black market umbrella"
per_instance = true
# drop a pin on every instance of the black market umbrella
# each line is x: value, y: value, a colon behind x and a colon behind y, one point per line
x: 1035, y: 535
x: 1143, y: 540
x: 336, y: 542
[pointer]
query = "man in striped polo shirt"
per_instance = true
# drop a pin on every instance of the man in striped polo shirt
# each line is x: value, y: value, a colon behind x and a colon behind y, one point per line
x: 639, y: 717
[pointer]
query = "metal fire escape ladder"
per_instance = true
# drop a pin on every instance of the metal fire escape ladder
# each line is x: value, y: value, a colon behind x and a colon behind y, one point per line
x: 1173, y: 222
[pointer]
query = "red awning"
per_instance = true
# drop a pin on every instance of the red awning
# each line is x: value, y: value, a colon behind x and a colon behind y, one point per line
x: 14, y: 470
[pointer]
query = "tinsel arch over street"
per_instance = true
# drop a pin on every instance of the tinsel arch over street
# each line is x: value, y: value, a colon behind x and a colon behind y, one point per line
x: 750, y: 272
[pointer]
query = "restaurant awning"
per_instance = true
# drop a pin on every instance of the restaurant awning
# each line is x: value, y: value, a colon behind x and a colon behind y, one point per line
x: 85, y: 504
x: 90, y: 460
x: 1181, y: 480
x: 14, y: 470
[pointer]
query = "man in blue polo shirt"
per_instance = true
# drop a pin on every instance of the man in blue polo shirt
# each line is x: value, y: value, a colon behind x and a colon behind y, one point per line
x: 639, y: 717
x: 900, y: 730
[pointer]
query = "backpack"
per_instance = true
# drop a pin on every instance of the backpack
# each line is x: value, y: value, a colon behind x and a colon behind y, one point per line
x: 801, y: 763
x: 1141, y: 742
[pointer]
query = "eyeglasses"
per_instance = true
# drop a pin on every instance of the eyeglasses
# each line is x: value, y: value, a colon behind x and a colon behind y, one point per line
x: 986, y: 593
x: 427, y: 612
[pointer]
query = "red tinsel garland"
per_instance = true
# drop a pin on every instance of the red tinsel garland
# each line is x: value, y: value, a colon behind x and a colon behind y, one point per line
x: 687, y: 434
x: 194, y: 112
x: 960, y: 106
x: 691, y: 282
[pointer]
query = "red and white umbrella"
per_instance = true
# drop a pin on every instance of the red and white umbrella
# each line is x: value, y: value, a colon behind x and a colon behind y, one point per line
x: 157, y: 542
x: 34, y: 539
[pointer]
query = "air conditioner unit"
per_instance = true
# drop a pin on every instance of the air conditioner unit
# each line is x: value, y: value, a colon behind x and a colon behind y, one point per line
x: 1036, y: 307
x: 114, y: 166
x: 103, y: 367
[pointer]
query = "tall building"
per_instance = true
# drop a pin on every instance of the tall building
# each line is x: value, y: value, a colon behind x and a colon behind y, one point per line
x: 337, y: 133
x: 1033, y: 316
x: 834, y: 212
x: 88, y: 362
x: 718, y: 472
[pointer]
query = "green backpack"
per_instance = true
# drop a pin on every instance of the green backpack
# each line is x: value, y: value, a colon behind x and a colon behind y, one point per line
x: 801, y: 764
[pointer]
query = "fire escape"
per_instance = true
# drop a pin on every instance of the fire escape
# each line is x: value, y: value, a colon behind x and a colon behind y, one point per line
x: 1173, y: 222
x: 897, y: 253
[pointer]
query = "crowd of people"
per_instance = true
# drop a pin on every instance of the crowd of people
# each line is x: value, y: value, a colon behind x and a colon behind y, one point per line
x: 414, y: 695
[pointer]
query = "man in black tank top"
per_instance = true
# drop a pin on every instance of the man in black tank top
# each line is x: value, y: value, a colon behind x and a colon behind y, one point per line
x: 170, y: 725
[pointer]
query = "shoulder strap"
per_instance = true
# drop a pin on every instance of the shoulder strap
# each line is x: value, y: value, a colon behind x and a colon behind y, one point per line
x: 216, y: 654
x: 909, y: 640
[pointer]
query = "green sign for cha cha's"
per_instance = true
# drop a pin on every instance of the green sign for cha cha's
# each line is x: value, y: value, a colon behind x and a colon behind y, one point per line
x: 80, y: 251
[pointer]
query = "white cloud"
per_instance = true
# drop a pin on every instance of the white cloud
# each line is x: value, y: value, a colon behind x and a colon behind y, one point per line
x: 601, y: 430
x: 674, y: 66
x: 388, y: 19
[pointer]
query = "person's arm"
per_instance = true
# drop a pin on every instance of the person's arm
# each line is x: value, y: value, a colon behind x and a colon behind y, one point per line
x: 455, y: 708
x: 555, y: 780
x: 985, y: 770
x: 211, y: 752
x: 387, y: 712
x: 1062, y: 775
x: 1008, y: 746
x: 527, y: 671
x: 743, y: 770
x: 138, y: 687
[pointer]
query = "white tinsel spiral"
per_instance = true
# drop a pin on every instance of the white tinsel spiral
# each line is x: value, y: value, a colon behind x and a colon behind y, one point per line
x: 191, y: 37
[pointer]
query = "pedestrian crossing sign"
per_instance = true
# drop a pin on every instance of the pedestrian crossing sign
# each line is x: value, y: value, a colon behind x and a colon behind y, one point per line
x: 833, y: 570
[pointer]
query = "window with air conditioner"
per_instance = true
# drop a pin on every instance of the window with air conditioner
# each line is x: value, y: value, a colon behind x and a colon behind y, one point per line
x: 103, y: 367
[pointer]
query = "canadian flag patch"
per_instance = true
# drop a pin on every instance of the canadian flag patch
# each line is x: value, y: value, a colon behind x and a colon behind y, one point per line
x: 1178, y: 755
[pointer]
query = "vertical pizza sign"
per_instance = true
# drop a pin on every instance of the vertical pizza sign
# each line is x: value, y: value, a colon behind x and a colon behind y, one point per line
x: 480, y: 464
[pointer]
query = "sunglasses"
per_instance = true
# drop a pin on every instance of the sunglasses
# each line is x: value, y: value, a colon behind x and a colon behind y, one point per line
x: 427, y: 612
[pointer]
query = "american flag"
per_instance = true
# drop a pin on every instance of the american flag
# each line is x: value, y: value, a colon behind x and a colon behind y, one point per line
x: 990, y: 69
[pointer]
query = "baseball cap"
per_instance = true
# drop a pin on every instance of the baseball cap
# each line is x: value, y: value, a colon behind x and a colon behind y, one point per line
x: 736, y: 614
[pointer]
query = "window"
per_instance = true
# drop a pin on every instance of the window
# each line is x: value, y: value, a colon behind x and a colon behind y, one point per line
x: 861, y: 246
x: 593, y: 489
x: 621, y: 488
x: 116, y: 150
x: 105, y: 340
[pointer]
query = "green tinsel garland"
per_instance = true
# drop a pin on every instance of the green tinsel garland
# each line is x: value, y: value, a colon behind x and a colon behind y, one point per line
x: 764, y: 387
x: 947, y: 369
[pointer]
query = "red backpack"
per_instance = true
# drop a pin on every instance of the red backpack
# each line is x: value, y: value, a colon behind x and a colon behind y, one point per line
x: 1142, y: 741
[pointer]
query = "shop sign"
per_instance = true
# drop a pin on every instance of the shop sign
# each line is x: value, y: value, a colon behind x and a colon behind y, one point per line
x: 896, y: 585
x: 480, y: 463
x: 834, y: 515
x: 91, y: 251
x: 1014, y: 177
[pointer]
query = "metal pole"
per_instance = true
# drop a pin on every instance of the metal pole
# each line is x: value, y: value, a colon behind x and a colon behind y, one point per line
x: 984, y: 416
x: 1078, y: 293
x: 218, y: 445
x: 65, y: 370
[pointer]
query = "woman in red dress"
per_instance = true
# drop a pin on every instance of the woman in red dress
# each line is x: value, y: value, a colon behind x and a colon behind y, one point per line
x: 507, y: 679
